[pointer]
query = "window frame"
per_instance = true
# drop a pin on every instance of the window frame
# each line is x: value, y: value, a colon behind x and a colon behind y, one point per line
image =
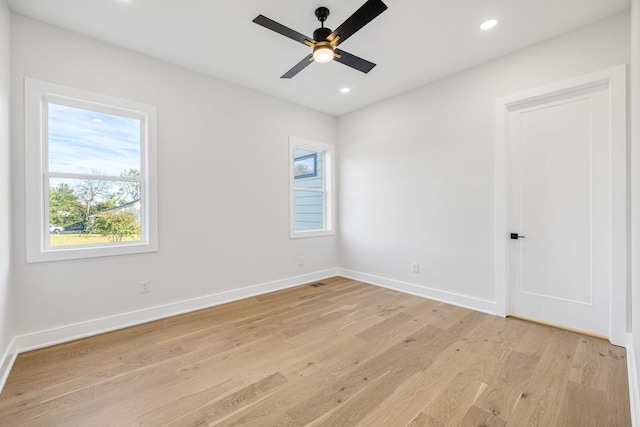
x: 328, y: 179
x: 38, y: 94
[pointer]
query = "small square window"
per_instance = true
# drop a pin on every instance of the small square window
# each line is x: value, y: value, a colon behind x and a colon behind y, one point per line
x: 305, y: 165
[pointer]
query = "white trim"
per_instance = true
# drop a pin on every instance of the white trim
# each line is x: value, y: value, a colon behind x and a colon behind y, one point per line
x: 632, y: 367
x: 328, y: 180
x: 36, y: 94
x: 615, y: 80
x: 7, y: 361
x: 460, y: 300
x: 620, y: 206
x: 632, y: 374
x: 79, y: 330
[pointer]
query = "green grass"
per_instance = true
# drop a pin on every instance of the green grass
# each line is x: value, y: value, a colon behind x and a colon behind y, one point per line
x: 83, y: 239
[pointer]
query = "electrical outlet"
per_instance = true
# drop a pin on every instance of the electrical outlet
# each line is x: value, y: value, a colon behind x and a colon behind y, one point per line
x: 301, y: 260
x: 415, y: 267
x: 145, y: 286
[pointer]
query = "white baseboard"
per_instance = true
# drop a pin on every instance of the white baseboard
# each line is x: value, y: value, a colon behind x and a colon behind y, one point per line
x: 634, y: 391
x: 477, y: 304
x: 6, y: 362
x: 75, y: 331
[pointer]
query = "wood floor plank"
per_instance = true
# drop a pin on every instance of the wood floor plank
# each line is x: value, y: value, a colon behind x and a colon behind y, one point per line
x: 424, y: 420
x: 192, y: 419
x: 273, y: 411
x: 476, y: 417
x: 504, y: 392
x: 41, y: 413
x: 580, y: 408
x: 333, y: 353
x: 451, y: 406
x: 353, y: 382
x: 540, y: 403
x: 502, y: 335
x: 190, y: 402
x: 247, y: 396
x: 416, y: 353
x: 469, y: 349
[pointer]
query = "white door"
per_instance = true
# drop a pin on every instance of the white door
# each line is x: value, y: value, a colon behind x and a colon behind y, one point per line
x: 559, y: 157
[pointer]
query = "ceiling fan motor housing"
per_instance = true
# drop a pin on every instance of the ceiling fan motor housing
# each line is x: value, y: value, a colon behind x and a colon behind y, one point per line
x: 321, y: 34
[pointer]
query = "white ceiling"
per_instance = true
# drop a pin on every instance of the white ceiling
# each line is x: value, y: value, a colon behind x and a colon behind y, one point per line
x: 414, y: 42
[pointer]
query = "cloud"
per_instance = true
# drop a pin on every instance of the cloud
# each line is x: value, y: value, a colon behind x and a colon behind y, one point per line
x: 83, y: 141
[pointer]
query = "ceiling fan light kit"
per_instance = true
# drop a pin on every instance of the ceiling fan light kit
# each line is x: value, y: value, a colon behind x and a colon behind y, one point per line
x: 323, y: 52
x: 324, y: 43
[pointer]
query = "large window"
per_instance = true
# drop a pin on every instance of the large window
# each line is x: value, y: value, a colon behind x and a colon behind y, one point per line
x: 311, y: 180
x: 90, y: 179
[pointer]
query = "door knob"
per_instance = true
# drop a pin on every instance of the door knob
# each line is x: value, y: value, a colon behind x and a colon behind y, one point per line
x: 515, y: 236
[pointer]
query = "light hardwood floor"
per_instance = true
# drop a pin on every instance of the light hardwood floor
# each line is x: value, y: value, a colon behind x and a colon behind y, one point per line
x: 335, y: 353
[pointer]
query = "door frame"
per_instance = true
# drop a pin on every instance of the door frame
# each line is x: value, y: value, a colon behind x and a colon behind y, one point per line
x: 614, y: 79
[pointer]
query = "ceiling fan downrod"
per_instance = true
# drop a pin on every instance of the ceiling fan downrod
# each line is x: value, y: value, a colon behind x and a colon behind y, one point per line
x: 321, y: 34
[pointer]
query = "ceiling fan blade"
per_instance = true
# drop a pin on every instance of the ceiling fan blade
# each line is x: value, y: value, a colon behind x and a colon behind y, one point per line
x: 354, y: 61
x: 280, y: 29
x: 298, y: 67
x: 361, y: 17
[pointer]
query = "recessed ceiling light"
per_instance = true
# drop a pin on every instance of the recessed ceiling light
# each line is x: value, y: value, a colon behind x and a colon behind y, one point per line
x: 345, y: 90
x: 487, y: 25
x: 97, y: 120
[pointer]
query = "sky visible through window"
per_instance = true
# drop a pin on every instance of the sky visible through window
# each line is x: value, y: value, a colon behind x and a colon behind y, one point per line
x: 89, y: 142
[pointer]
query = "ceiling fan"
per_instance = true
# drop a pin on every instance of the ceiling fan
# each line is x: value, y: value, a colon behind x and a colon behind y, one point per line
x: 325, y: 41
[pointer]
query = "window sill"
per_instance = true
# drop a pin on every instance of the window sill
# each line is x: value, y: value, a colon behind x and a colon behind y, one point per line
x: 311, y: 233
x: 83, y: 252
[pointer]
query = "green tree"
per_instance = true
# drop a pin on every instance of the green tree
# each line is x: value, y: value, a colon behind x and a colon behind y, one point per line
x: 88, y: 192
x: 64, y: 207
x: 129, y: 191
x: 117, y: 225
x: 111, y: 201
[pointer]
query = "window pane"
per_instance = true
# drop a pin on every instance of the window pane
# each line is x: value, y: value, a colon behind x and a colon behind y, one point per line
x: 307, y: 168
x: 93, y: 211
x: 88, y: 142
x: 308, y: 210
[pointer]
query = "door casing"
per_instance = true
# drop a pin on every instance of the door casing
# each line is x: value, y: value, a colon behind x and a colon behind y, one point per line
x: 615, y: 80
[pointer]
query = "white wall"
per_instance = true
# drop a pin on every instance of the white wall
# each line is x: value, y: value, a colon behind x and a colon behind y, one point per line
x: 6, y: 298
x: 217, y: 144
x: 417, y: 170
